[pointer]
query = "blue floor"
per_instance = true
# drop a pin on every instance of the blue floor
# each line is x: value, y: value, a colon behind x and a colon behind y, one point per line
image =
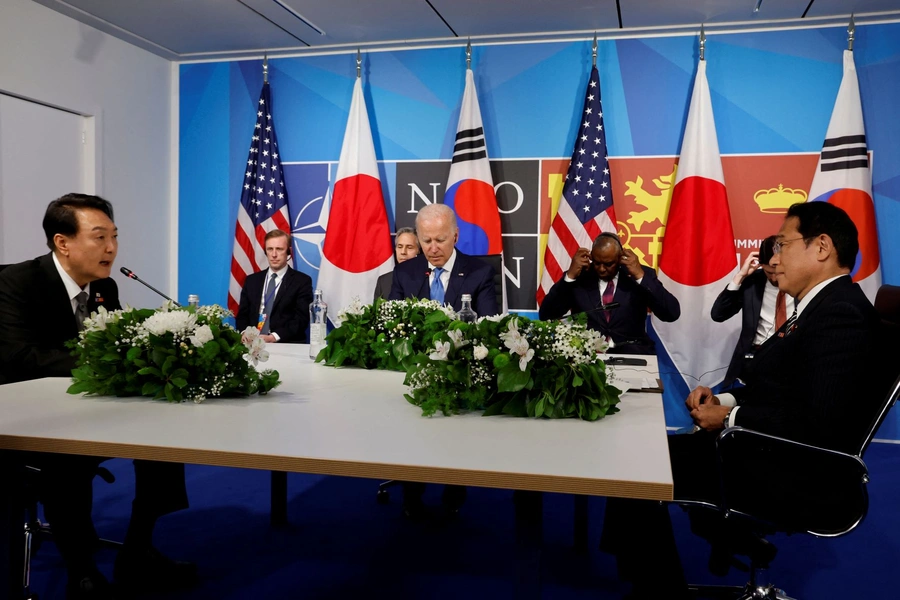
x: 342, y: 544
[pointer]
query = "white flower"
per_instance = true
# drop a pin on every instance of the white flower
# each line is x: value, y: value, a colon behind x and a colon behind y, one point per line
x: 523, y: 361
x: 456, y: 336
x: 249, y: 335
x: 178, y: 322
x: 201, y: 335
x: 256, y: 353
x: 356, y: 307
x: 441, y: 351
x: 98, y: 320
x: 491, y: 318
x: 481, y: 352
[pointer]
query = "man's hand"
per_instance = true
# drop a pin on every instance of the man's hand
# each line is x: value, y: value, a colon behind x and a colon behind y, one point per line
x: 710, y: 416
x: 268, y: 338
x: 580, y: 262
x: 700, y: 395
x: 632, y: 263
x: 750, y: 265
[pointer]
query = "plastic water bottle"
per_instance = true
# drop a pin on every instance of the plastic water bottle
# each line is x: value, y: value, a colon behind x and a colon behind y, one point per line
x: 318, y: 329
x: 466, y: 314
x: 194, y: 300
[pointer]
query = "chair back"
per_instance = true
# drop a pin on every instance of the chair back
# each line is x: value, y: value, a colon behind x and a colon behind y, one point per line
x: 496, y: 263
x: 887, y: 304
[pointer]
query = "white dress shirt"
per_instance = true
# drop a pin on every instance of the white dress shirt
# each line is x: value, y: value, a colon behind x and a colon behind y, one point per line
x: 72, y: 288
x: 279, y: 277
x: 445, y: 276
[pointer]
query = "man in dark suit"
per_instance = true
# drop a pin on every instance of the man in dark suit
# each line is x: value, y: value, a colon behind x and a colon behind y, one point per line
x: 609, y: 274
x: 276, y: 300
x: 441, y: 272
x: 815, y: 381
x: 764, y: 308
x: 43, y: 303
x: 406, y: 246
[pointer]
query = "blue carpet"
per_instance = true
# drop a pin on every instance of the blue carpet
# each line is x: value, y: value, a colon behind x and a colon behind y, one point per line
x: 342, y: 544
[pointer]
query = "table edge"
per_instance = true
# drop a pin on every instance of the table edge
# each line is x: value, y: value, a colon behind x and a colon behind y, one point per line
x: 369, y: 470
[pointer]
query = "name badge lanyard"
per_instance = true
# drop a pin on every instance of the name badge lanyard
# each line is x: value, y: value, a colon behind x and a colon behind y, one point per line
x: 263, y: 315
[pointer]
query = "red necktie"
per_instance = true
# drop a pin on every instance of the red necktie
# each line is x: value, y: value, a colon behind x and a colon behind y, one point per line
x: 780, y: 310
x: 607, y: 297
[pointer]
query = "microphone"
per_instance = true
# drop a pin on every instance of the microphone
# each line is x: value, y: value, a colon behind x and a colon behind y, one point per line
x: 130, y: 275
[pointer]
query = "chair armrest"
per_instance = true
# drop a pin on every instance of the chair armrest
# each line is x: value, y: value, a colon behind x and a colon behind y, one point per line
x: 791, y: 485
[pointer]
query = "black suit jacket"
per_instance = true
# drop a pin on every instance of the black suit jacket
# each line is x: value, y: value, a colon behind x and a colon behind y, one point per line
x: 290, y: 311
x: 819, y: 383
x: 627, y: 323
x: 469, y: 276
x: 383, y: 286
x: 747, y: 299
x: 36, y: 319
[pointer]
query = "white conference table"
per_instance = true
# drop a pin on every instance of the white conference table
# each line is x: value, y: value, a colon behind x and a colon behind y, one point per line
x: 356, y: 423
x: 349, y: 422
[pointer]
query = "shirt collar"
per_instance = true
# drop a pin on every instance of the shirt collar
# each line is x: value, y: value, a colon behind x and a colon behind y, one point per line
x: 72, y: 288
x: 448, y: 266
x: 812, y: 293
x: 279, y: 273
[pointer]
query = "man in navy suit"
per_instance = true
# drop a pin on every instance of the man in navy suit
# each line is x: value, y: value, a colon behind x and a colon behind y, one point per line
x: 276, y: 300
x: 441, y: 272
x: 816, y: 381
x: 43, y: 303
x: 764, y: 308
x: 606, y: 274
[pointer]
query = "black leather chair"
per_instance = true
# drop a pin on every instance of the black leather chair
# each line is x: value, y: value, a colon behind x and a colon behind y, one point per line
x: 383, y: 495
x: 790, y: 487
x: 496, y: 262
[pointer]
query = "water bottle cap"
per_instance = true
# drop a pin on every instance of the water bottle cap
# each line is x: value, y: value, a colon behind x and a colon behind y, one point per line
x: 193, y: 298
x: 466, y: 298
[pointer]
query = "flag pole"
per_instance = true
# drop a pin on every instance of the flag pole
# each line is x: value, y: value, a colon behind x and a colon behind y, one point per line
x: 702, y: 42
x: 851, y: 30
x: 265, y: 69
x: 594, y: 51
x: 358, y: 64
x: 468, y: 53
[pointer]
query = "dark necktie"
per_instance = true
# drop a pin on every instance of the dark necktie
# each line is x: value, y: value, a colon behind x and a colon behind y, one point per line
x: 81, y: 312
x: 789, y: 324
x: 268, y: 302
x: 608, y: 295
x: 437, y: 286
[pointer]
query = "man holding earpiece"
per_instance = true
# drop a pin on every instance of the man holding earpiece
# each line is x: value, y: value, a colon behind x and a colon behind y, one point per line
x: 610, y: 285
x: 276, y: 300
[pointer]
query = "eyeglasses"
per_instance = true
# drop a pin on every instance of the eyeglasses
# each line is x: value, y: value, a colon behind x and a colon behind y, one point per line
x: 777, y: 246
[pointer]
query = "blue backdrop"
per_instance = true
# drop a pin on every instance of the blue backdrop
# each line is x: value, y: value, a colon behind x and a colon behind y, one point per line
x: 772, y: 92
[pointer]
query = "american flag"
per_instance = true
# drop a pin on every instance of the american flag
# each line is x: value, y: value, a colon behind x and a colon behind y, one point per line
x: 264, y: 204
x: 586, y: 207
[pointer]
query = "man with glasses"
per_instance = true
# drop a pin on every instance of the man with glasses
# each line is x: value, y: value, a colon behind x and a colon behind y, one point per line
x: 753, y: 292
x: 817, y: 380
x: 610, y: 285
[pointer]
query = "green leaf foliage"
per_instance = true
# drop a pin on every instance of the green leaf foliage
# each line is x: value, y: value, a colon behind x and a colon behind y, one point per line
x: 118, y: 354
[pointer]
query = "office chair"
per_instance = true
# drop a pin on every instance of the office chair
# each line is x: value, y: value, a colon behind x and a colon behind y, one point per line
x: 37, y: 531
x: 790, y: 487
x: 383, y: 495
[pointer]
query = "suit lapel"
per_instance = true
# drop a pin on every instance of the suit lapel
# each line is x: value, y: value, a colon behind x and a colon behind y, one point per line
x: 58, y: 299
x: 286, y: 282
x: 454, y: 285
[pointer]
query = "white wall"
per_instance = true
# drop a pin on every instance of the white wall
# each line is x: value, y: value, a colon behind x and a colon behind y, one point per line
x: 50, y: 58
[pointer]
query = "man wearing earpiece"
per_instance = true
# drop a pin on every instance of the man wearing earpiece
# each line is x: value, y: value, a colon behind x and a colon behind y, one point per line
x: 610, y: 285
x: 276, y: 300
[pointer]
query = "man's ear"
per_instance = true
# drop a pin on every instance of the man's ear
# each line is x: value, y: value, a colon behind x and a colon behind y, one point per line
x: 824, y: 247
x: 61, y: 243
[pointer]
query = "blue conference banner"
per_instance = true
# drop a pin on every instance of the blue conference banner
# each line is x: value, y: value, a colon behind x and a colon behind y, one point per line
x: 772, y: 94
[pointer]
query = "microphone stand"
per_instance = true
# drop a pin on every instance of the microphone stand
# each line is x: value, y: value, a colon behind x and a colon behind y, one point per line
x: 131, y: 275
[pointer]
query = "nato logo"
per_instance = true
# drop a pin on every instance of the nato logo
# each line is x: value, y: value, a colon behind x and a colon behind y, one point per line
x: 309, y: 189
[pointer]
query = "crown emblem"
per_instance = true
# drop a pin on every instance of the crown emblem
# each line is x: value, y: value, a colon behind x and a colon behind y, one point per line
x: 778, y: 200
